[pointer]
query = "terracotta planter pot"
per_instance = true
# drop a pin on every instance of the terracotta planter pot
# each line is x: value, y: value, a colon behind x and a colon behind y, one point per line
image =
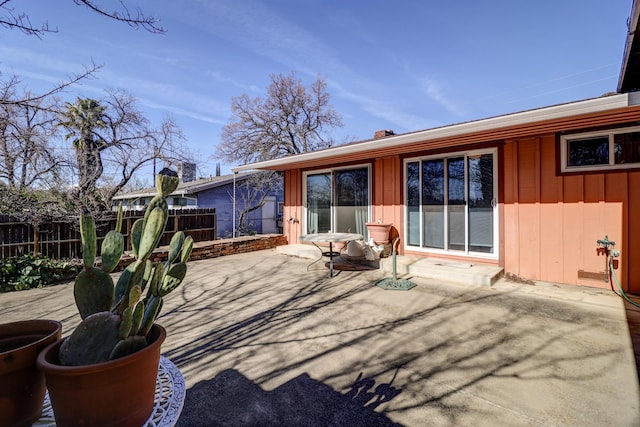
x: 116, y: 393
x: 379, y: 232
x: 22, y: 386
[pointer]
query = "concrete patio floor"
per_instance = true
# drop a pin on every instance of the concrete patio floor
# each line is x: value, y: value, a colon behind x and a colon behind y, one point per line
x: 262, y: 341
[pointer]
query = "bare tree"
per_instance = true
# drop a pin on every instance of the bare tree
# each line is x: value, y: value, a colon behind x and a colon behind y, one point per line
x: 112, y: 140
x: 20, y: 20
x: 290, y: 120
x: 251, y: 195
x: 29, y: 156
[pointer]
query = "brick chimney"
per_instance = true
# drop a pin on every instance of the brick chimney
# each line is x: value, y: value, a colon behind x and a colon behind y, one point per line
x: 383, y: 133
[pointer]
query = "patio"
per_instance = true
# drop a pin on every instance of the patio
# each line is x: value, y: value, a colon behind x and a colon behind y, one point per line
x: 262, y: 341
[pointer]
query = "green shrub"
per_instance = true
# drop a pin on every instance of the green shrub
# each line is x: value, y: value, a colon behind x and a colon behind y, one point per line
x: 26, y: 271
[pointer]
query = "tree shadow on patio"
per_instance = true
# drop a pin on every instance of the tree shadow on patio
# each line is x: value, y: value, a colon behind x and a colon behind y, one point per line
x: 231, y: 399
x: 456, y: 353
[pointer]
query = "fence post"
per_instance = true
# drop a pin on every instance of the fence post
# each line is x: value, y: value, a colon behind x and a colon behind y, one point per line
x: 214, y: 229
x: 36, y: 241
x: 128, y: 242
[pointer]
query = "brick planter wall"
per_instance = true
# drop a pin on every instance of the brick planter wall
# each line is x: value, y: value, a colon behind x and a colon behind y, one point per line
x: 216, y: 248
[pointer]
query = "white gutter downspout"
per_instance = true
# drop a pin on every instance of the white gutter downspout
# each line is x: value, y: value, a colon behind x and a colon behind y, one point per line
x: 234, y: 203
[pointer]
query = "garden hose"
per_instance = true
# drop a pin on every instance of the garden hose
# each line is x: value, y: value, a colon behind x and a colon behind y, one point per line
x: 617, y: 282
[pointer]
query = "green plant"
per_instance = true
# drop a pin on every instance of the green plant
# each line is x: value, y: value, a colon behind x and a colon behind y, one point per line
x: 115, y: 318
x: 28, y: 271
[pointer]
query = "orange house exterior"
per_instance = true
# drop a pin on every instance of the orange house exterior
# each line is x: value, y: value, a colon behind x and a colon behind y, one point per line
x: 548, y: 220
x: 531, y: 192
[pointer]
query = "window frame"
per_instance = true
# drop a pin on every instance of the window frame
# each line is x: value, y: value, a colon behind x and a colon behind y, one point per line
x: 331, y: 171
x: 466, y: 253
x: 610, y: 134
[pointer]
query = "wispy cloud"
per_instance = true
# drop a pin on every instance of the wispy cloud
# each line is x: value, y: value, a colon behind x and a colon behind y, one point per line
x: 433, y: 90
x: 219, y: 77
x: 33, y: 66
x: 173, y: 98
x: 387, y: 112
x: 44, y: 66
x: 258, y: 28
x: 196, y: 115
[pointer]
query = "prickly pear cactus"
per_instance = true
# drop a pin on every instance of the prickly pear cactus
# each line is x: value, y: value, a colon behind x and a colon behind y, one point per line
x: 117, y: 318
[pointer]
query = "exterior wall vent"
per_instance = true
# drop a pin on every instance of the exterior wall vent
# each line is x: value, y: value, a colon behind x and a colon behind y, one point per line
x: 591, y: 275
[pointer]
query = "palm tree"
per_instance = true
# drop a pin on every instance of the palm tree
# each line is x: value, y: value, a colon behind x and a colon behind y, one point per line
x: 83, y: 120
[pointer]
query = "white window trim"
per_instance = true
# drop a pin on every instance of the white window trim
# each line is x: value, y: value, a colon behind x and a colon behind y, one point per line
x: 564, y: 142
x: 496, y: 219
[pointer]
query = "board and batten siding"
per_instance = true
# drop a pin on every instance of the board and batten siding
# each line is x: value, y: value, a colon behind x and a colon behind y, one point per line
x: 551, y: 222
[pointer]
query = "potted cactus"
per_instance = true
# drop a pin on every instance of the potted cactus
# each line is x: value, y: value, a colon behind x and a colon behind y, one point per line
x: 104, y: 373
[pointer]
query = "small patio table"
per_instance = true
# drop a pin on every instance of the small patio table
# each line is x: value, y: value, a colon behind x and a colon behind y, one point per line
x: 169, y: 399
x: 330, y: 238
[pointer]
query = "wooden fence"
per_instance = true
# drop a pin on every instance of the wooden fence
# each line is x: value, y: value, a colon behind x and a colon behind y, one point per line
x: 61, y: 240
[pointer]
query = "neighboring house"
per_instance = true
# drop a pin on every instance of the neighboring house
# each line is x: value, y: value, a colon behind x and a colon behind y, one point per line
x: 218, y: 192
x: 531, y: 191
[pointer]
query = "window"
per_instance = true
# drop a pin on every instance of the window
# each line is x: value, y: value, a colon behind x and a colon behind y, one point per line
x: 179, y: 201
x: 602, y: 150
x: 451, y: 203
x: 337, y: 200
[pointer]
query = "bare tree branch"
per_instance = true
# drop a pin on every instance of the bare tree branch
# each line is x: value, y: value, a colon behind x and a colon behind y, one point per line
x: 149, y: 23
x: 21, y: 21
x: 33, y: 100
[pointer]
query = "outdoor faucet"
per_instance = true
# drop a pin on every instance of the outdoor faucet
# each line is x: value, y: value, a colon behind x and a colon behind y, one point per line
x: 606, y: 247
x: 606, y: 243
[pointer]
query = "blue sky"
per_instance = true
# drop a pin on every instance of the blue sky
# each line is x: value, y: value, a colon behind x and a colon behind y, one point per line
x: 401, y: 65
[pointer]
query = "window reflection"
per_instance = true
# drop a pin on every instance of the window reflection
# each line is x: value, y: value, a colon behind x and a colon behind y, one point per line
x: 338, y: 201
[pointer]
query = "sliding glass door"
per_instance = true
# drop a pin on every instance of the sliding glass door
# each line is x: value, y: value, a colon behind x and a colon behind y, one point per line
x: 337, y: 200
x: 319, y: 203
x: 433, y: 198
x: 482, y: 202
x: 450, y: 203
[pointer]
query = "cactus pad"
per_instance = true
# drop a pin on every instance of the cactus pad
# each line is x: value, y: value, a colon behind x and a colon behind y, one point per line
x: 130, y: 277
x: 88, y: 236
x: 112, y: 248
x: 125, y: 324
x: 136, y: 320
x: 153, y: 229
x: 175, y: 246
x: 136, y: 235
x: 173, y: 278
x: 151, y: 311
x: 93, y: 291
x: 128, y: 346
x: 166, y: 184
x: 92, y: 341
x: 187, y: 246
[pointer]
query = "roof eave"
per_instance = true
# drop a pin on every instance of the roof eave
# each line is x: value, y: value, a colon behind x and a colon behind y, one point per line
x: 632, y: 26
x: 183, y: 191
x: 593, y: 105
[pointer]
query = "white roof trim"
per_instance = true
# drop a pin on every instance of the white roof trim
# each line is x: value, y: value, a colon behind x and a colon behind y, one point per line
x: 593, y: 105
x: 632, y: 24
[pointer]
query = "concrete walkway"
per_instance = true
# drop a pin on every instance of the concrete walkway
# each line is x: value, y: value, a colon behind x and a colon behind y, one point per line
x: 262, y: 341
